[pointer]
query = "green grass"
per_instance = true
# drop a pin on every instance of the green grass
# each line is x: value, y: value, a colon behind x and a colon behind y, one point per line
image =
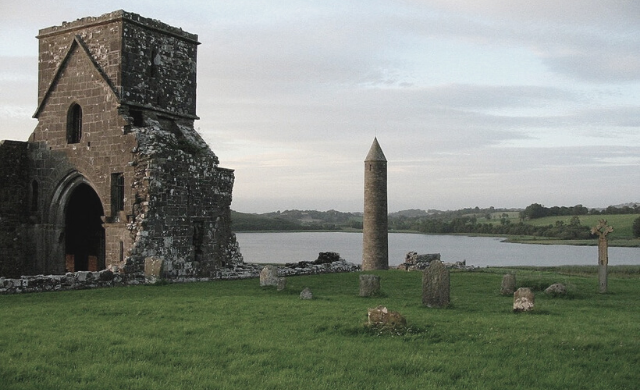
x: 621, y: 223
x: 236, y: 335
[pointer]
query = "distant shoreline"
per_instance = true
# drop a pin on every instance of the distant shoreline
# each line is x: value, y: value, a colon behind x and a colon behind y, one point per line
x: 619, y: 242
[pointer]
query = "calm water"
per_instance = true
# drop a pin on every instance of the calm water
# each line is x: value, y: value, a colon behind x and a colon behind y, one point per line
x: 480, y: 251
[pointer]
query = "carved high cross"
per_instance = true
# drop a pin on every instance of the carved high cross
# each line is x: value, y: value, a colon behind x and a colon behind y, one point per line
x: 602, y: 229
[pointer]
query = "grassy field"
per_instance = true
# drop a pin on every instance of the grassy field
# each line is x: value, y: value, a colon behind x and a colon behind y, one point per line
x: 621, y: 223
x: 621, y: 236
x: 237, y: 335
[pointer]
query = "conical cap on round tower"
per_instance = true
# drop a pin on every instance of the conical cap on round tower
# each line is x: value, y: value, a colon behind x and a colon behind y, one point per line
x: 375, y: 153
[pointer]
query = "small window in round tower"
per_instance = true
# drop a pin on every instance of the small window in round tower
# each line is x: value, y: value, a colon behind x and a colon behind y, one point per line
x: 74, y: 124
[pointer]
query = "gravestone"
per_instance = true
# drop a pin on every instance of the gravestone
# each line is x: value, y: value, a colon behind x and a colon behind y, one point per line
x: 306, y: 294
x: 282, y: 283
x: 523, y: 300
x: 602, y: 229
x: 508, y: 286
x: 435, y: 285
x: 369, y: 285
x: 269, y: 276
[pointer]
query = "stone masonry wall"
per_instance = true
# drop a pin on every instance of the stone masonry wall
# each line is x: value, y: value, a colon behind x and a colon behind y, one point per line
x: 104, y: 149
x: 375, y: 244
x: 103, y: 39
x: 159, y: 70
x: 14, y: 202
x: 182, y: 211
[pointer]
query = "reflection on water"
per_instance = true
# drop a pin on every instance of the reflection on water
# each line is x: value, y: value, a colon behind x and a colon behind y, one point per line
x: 480, y: 251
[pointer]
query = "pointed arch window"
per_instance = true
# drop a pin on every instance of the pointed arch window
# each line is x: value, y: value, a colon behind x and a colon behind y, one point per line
x: 74, y: 124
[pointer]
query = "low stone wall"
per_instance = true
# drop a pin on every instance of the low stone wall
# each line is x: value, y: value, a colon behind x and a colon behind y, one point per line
x: 86, y: 279
x: 253, y: 270
x: 70, y: 281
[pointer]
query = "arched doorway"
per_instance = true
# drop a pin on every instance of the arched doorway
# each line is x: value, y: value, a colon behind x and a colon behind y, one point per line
x: 83, y: 232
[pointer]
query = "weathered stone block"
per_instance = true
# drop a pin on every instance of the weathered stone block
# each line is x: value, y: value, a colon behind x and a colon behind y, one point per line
x: 269, y: 276
x: 369, y: 285
x: 306, y: 294
x: 105, y: 275
x: 556, y: 290
x: 381, y: 316
x: 508, y: 286
x: 153, y: 268
x: 84, y: 276
x: 435, y: 285
x: 523, y: 300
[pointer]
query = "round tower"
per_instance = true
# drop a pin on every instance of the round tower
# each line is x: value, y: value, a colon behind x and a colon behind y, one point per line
x: 375, y: 237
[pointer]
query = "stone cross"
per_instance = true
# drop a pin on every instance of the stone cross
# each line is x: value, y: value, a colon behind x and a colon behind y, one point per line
x: 602, y: 229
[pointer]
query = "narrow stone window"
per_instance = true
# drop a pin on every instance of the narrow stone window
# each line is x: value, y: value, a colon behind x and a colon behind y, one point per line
x: 117, y: 193
x: 198, y: 238
x: 121, y: 251
x: 34, y: 196
x: 74, y: 124
x: 138, y: 119
x: 153, y: 68
x: 188, y: 197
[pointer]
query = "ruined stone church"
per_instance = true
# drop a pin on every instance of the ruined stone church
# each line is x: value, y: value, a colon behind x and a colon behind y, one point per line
x: 115, y: 176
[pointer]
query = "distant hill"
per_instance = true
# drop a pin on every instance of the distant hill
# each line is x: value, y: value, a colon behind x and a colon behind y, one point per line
x: 405, y: 220
x: 411, y: 213
x: 332, y: 220
x: 296, y: 220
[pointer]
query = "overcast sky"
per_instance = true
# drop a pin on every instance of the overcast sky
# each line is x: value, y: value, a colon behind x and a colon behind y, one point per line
x: 474, y: 102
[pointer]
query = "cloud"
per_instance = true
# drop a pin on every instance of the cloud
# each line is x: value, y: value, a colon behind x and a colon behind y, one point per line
x: 474, y: 102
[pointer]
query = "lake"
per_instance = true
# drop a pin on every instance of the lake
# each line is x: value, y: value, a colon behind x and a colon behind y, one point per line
x: 479, y: 251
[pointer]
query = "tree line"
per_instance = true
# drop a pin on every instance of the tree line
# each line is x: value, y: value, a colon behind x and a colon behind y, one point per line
x: 537, y: 210
x: 574, y: 230
x: 489, y: 221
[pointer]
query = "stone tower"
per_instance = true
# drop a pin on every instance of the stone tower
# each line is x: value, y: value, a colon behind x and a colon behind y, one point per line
x: 375, y: 238
x: 115, y: 176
